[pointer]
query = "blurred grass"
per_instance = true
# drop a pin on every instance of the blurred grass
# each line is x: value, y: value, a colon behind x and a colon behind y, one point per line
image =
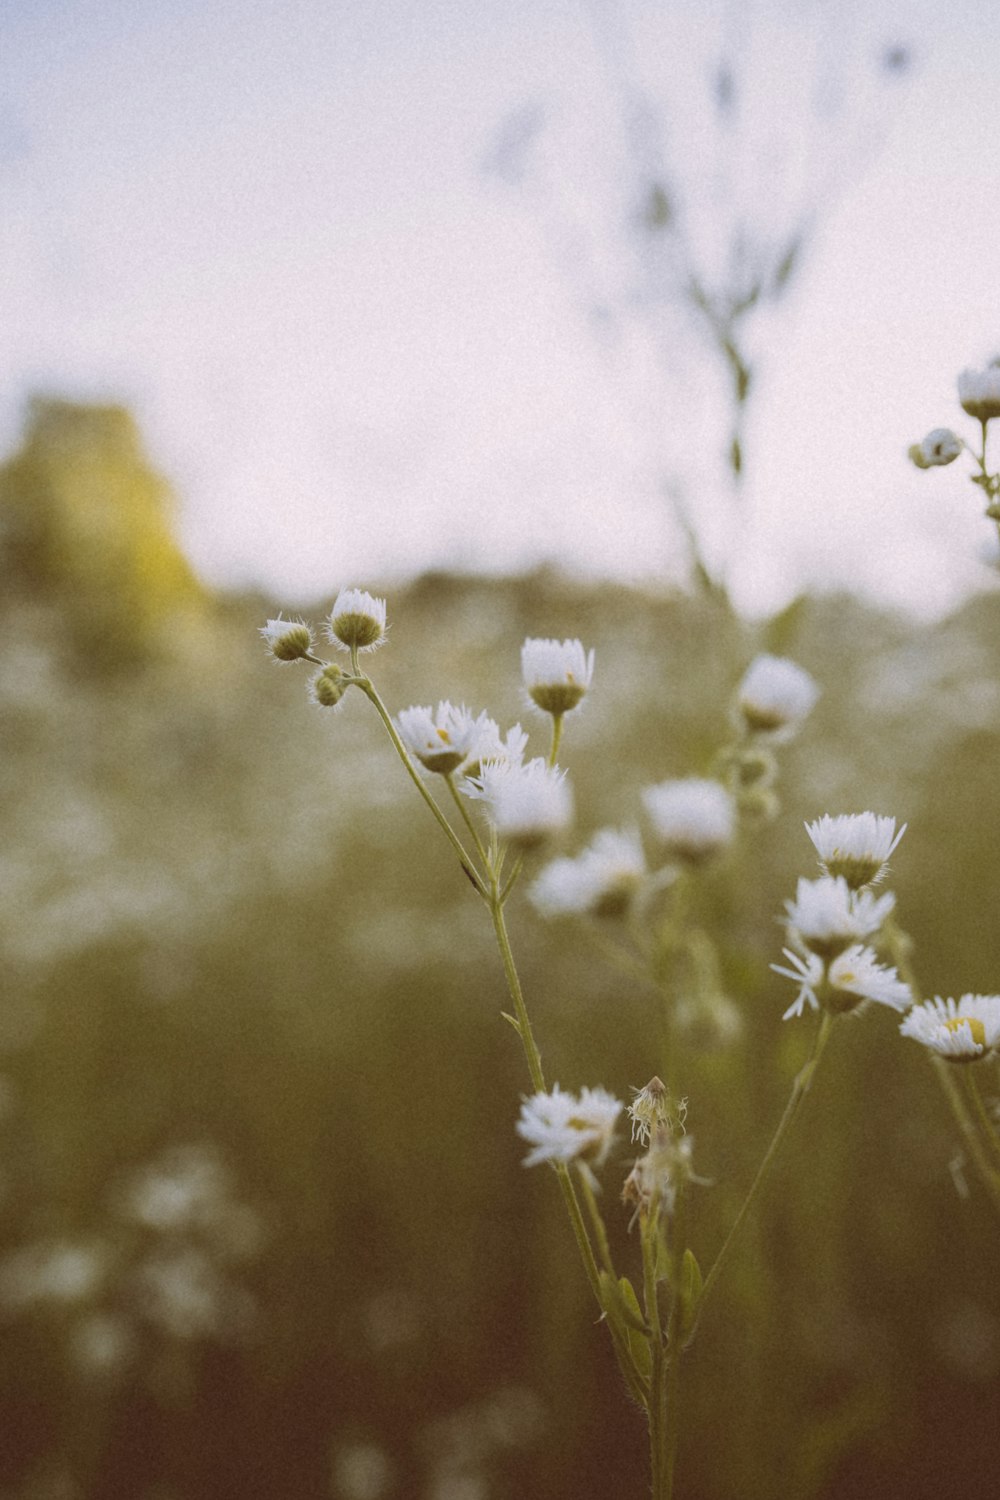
x: 229, y: 928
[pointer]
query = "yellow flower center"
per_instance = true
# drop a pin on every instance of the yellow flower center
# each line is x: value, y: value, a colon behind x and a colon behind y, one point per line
x: 976, y: 1028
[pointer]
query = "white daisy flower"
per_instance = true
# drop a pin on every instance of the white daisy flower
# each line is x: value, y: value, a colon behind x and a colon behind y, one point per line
x: 979, y: 392
x: 357, y: 619
x: 852, y: 977
x: 526, y: 804
x: 564, y: 1127
x: 556, y: 673
x: 441, y: 741
x: 827, y: 916
x: 692, y: 818
x: 287, y: 640
x: 489, y: 745
x: 855, y: 845
x: 775, y: 696
x: 940, y: 447
x: 858, y: 974
x: 600, y: 882
x: 807, y: 972
x: 960, y: 1030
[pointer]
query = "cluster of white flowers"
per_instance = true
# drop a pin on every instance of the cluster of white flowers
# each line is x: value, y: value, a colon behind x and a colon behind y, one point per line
x: 979, y: 397
x: 527, y: 802
x: 831, y: 919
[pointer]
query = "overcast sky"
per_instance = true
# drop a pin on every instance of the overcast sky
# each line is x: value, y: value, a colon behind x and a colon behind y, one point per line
x: 367, y: 275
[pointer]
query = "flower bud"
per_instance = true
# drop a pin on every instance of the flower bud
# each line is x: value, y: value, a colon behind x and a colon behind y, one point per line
x: 556, y: 674
x: 940, y: 447
x: 357, y: 620
x: 979, y: 392
x: 328, y: 686
x: 287, y: 640
x: 775, y: 696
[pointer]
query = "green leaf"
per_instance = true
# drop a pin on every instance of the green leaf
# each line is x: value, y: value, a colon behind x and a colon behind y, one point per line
x: 628, y: 1316
x: 691, y: 1283
x: 627, y: 1293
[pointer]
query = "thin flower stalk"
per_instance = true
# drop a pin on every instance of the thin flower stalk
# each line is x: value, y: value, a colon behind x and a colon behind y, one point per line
x: 989, y: 1130
x: 971, y: 1137
x: 900, y: 946
x: 800, y: 1087
x: 371, y: 693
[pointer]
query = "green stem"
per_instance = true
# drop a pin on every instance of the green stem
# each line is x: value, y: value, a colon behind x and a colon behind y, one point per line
x: 657, y: 1410
x: 800, y: 1088
x: 946, y: 1077
x: 675, y: 1348
x: 597, y: 1223
x: 557, y: 724
x: 524, y: 1031
x: 512, y: 878
x: 672, y: 1422
x: 987, y: 1126
x: 462, y: 804
x: 370, y: 692
x: 579, y: 1230
x: 534, y: 1060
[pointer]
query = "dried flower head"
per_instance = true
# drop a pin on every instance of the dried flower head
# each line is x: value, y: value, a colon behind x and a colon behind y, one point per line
x: 652, y: 1107
x: 600, y: 882
x: 569, y: 1127
x: 692, y: 818
x: 357, y: 620
x: 658, y: 1176
x: 775, y: 696
x: 556, y: 674
x: 855, y: 845
x: 960, y: 1030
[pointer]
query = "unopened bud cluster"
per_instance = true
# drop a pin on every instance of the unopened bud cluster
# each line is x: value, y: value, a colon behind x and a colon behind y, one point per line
x: 979, y: 397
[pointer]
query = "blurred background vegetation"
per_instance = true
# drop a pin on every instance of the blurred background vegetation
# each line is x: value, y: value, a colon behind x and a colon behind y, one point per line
x: 265, y: 1229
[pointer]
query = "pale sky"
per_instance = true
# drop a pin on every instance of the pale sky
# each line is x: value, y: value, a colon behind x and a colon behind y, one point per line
x: 357, y: 349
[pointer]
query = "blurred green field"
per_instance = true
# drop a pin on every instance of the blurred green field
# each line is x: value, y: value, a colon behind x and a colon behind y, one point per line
x: 265, y: 1229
